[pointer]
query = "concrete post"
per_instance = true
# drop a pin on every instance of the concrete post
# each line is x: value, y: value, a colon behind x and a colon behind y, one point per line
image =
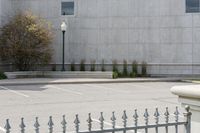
x: 190, y: 95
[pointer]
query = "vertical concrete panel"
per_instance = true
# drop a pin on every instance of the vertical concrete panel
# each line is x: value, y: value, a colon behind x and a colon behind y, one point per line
x: 1, y: 12
x: 181, y: 52
x: 196, y: 20
x: 5, y: 11
x: 168, y: 53
x: 196, y: 53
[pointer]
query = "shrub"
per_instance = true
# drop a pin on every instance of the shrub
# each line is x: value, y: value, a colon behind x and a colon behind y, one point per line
x: 72, y: 66
x: 114, y: 65
x: 133, y: 75
x: 2, y: 75
x: 53, y: 67
x: 92, y: 65
x: 144, y: 68
x: 125, y: 71
x: 103, y: 66
x: 82, y: 65
x: 115, y: 75
x: 134, y: 72
x: 25, y: 41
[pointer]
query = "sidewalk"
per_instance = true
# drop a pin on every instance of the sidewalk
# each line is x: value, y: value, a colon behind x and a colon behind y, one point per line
x: 39, y: 81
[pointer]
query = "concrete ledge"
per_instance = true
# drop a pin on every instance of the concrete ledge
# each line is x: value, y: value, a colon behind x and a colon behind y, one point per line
x: 58, y: 74
x: 191, y: 91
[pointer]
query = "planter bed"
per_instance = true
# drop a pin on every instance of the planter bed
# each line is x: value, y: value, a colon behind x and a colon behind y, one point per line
x: 58, y: 74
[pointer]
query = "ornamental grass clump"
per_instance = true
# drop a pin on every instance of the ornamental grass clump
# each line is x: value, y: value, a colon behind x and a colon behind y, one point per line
x: 144, y: 69
x: 82, y: 65
x: 2, y: 75
x: 103, y: 66
x: 114, y: 65
x: 125, y: 69
x: 134, y: 72
x: 72, y: 66
x: 25, y: 41
x: 115, y: 69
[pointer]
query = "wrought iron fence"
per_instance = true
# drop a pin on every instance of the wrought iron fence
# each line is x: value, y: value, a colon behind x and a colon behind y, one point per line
x: 125, y: 128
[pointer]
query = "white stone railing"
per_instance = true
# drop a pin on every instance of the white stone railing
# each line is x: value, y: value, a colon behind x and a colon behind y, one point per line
x: 190, y: 95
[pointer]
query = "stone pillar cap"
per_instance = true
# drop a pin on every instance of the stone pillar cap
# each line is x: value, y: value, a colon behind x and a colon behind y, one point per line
x: 190, y: 91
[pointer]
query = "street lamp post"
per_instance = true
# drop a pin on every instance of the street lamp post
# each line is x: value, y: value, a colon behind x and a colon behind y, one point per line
x: 63, y: 29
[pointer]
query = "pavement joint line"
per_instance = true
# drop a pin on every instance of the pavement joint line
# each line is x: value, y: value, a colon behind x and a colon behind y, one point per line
x: 15, y: 92
x: 134, y: 85
x: 108, y: 88
x: 59, y: 88
x: 2, y: 129
x: 110, y: 124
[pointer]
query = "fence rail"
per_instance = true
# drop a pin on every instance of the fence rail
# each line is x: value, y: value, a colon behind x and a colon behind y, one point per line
x: 135, y: 127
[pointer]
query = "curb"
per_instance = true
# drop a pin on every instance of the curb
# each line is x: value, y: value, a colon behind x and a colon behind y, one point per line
x: 90, y: 82
x: 191, y: 81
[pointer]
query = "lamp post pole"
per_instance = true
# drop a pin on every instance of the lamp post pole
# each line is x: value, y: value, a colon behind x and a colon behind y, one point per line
x: 63, y: 29
x: 63, y: 56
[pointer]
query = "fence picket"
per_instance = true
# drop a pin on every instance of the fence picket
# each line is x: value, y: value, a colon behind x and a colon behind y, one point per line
x: 77, y: 122
x: 36, y: 125
x: 135, y: 116
x: 166, y: 114
x: 124, y: 118
x: 50, y: 124
x: 176, y: 113
x: 7, y: 126
x: 101, y: 119
x: 146, y: 118
x: 156, y: 115
x: 22, y: 125
x: 64, y: 123
x: 89, y: 120
x: 113, y: 119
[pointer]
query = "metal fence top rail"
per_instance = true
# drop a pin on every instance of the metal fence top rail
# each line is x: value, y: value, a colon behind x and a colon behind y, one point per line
x: 134, y: 126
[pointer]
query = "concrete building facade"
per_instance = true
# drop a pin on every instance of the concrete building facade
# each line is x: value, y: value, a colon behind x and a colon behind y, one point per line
x: 159, y: 32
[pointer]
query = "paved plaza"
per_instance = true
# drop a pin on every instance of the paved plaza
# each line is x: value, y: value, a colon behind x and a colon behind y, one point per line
x: 71, y: 99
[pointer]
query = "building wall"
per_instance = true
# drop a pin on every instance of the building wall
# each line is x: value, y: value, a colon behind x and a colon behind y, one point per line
x: 5, y: 11
x: 156, y: 31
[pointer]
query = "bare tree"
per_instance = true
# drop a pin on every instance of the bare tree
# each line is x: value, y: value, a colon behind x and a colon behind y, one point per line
x: 25, y: 41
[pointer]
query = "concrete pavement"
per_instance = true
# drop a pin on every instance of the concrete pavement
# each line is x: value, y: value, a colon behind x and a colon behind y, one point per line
x: 29, y: 101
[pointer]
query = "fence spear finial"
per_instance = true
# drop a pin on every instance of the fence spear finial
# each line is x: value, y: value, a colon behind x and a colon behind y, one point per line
x: 36, y: 125
x: 135, y: 116
x: 50, y: 124
x: 146, y: 116
x: 124, y: 117
x: 64, y: 123
x: 156, y: 115
x: 113, y: 119
x: 22, y: 125
x: 176, y: 113
x: 166, y: 115
x: 77, y: 122
x: 101, y: 119
x: 89, y: 120
x: 7, y: 126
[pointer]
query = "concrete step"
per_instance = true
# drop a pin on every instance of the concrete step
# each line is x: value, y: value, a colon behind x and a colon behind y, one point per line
x: 58, y: 74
